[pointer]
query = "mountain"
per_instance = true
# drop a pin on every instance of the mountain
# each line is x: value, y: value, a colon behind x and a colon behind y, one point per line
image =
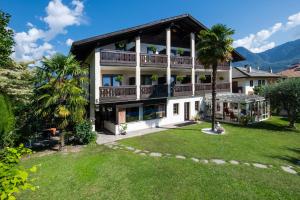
x: 278, y: 58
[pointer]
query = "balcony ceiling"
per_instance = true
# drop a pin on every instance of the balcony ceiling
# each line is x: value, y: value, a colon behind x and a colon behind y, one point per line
x: 153, y: 32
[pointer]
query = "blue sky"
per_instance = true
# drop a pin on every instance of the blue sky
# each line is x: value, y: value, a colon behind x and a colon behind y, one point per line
x: 44, y: 27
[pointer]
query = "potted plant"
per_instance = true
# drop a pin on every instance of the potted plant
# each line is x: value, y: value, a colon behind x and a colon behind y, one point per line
x: 120, y: 45
x: 202, y: 77
x: 154, y: 77
x: 153, y: 49
x: 123, y: 128
x: 180, y: 51
x: 179, y: 78
x: 119, y: 78
x: 221, y: 78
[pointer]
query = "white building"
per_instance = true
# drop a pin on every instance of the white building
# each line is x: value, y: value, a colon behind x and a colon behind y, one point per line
x: 148, y: 75
x: 245, y: 79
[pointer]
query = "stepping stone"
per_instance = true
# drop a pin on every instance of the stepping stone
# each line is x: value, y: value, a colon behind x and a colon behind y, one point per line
x: 246, y: 164
x: 168, y: 154
x: 288, y: 169
x: 130, y: 148
x: 234, y: 162
x: 145, y: 151
x: 195, y: 159
x: 258, y: 165
x: 155, y: 154
x: 180, y: 157
x: 137, y: 151
x: 115, y: 147
x: 218, y: 161
x: 142, y: 154
x: 204, y: 161
x: 270, y: 166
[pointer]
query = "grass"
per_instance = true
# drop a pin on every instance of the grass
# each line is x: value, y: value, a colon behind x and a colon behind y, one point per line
x: 101, y: 173
x: 269, y: 142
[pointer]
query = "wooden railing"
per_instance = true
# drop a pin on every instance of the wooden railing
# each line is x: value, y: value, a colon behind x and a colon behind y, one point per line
x: 154, y: 91
x: 115, y: 57
x: 181, y: 61
x: 115, y: 93
x: 182, y: 90
x: 201, y: 88
x: 154, y: 60
x: 224, y: 66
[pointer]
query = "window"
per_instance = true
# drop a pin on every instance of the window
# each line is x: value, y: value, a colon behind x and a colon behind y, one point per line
x: 110, y: 80
x: 259, y: 82
x: 197, y: 105
x: 251, y: 83
x: 132, y: 114
x: 175, y: 108
x: 132, y: 81
x: 154, y: 111
x: 263, y: 82
x: 146, y: 80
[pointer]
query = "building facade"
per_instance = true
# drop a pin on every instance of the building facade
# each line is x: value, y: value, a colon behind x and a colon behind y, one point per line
x: 245, y: 79
x: 148, y: 76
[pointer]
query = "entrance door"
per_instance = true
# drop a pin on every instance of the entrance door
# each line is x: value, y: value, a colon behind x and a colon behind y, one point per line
x: 187, y: 111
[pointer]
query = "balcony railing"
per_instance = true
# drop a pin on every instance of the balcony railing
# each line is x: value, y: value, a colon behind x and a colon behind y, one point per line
x: 181, y: 61
x: 224, y: 66
x: 114, y: 57
x: 198, y: 65
x: 115, y: 93
x: 202, y: 88
x: 182, y: 90
x: 154, y: 60
x: 154, y: 91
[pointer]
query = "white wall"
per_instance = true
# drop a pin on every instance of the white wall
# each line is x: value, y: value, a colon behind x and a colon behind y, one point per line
x: 169, y: 119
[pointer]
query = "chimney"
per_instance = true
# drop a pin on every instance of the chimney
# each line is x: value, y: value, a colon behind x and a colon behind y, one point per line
x: 249, y: 69
x: 270, y: 70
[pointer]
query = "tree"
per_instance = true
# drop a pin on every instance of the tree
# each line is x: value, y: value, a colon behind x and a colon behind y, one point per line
x: 59, y: 94
x: 285, y: 95
x: 214, y: 46
x: 6, y: 39
x: 7, y: 122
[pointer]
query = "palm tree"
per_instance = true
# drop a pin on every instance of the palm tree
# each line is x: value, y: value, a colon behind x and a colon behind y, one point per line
x: 59, y: 93
x: 214, y: 46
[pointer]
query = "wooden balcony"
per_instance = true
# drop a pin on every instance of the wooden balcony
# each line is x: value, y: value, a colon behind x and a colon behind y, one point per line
x: 224, y: 66
x: 181, y: 62
x: 182, y: 90
x: 117, y: 58
x: 117, y: 93
x: 202, y: 88
x: 154, y: 91
x: 221, y: 66
x: 154, y: 60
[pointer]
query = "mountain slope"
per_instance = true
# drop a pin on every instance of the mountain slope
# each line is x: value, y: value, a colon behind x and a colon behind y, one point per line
x: 278, y: 58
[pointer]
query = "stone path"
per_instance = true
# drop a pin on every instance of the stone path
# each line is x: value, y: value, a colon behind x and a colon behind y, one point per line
x: 115, y: 145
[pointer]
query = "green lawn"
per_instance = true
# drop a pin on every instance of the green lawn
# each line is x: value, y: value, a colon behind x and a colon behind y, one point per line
x: 98, y: 172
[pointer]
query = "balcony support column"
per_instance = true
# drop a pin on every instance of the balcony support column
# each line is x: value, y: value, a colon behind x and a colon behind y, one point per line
x: 230, y: 77
x: 138, y: 66
x: 168, y: 52
x: 193, y: 61
x: 95, y: 83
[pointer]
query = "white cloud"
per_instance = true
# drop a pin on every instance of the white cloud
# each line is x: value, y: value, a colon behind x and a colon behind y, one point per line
x: 293, y: 20
x: 259, y: 41
x: 34, y: 44
x: 69, y: 42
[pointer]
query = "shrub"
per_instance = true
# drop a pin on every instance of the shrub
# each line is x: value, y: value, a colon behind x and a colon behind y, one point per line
x: 14, y: 177
x: 7, y: 123
x: 84, y: 133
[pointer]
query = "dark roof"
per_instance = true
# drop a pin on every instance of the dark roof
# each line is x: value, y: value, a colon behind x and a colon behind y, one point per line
x: 82, y: 48
x: 242, y: 72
